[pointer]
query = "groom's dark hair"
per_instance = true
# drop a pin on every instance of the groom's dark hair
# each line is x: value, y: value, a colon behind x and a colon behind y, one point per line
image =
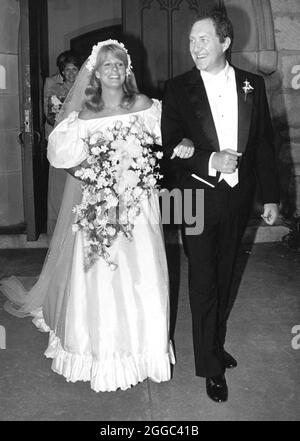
x: 221, y: 22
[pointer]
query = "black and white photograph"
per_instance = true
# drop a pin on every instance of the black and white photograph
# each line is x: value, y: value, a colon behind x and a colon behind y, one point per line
x: 149, y: 213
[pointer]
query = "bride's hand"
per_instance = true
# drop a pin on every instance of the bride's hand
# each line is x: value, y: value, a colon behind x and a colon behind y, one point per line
x: 184, y: 150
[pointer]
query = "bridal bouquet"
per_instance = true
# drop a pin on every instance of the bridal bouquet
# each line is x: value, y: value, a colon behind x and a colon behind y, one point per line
x: 54, y: 104
x: 122, y: 171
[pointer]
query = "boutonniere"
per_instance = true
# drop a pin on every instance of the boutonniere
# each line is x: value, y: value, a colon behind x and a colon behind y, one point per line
x: 247, y: 88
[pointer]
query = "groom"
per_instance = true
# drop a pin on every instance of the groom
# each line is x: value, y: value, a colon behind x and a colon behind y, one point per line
x: 224, y: 112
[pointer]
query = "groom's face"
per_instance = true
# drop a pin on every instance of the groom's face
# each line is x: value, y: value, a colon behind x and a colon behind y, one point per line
x: 206, y: 49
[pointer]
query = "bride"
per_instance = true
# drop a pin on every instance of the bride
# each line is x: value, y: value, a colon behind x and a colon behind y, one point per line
x: 107, y: 327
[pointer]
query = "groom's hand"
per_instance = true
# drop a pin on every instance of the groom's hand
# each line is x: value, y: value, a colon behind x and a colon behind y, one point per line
x: 184, y: 150
x: 225, y: 161
x: 271, y: 213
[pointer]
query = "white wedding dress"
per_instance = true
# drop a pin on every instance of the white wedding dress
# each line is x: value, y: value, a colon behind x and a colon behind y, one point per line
x: 107, y: 327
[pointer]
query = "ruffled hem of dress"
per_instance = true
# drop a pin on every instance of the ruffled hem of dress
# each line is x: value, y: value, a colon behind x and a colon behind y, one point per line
x: 114, y: 373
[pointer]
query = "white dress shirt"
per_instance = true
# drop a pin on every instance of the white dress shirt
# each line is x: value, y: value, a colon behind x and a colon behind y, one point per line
x: 222, y: 96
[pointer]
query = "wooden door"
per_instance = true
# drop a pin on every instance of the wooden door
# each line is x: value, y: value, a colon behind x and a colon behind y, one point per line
x: 156, y: 34
x: 33, y: 68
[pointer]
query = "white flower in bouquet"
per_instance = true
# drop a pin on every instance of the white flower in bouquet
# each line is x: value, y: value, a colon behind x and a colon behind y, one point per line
x: 105, y: 165
x: 93, y: 199
x: 94, y: 139
x: 78, y: 173
x: 118, y: 144
x: 137, y: 192
x: 133, y: 147
x: 75, y: 228
x: 111, y: 201
x: 55, y: 101
x: 95, y: 150
x: 140, y: 162
x: 89, y: 173
x: 109, y: 136
x: 150, y: 181
x: 101, y: 182
x: 146, y: 139
x: 103, y: 148
x: 111, y: 231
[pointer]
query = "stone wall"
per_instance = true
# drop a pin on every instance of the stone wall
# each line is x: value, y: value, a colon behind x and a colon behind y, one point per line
x: 285, y: 99
x: 267, y: 36
x: 11, y: 193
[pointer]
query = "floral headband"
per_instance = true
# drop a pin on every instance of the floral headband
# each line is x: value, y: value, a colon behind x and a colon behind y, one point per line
x: 91, y: 63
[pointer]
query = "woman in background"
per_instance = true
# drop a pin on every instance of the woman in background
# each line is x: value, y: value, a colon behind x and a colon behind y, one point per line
x: 56, y: 89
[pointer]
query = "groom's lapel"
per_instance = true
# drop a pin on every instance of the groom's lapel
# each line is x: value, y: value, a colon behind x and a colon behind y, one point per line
x: 198, y: 98
x: 245, y: 104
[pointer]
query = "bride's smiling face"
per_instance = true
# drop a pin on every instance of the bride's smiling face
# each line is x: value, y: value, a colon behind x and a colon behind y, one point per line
x: 111, y: 70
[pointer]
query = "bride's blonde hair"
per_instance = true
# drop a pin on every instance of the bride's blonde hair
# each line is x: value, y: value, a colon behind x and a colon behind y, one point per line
x: 93, y: 92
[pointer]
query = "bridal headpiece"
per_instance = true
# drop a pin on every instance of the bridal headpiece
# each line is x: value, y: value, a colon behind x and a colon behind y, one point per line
x: 91, y: 62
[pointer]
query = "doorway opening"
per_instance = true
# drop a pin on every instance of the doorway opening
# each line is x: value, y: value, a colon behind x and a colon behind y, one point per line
x: 83, y: 43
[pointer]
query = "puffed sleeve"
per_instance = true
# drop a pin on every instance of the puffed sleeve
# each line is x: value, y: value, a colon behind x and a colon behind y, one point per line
x: 66, y: 146
x: 152, y: 120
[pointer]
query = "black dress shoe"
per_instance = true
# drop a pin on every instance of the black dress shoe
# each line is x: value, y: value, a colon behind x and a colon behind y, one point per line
x: 216, y: 388
x: 229, y: 361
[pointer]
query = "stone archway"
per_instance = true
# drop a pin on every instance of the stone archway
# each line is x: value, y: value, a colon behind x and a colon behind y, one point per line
x: 83, y: 43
